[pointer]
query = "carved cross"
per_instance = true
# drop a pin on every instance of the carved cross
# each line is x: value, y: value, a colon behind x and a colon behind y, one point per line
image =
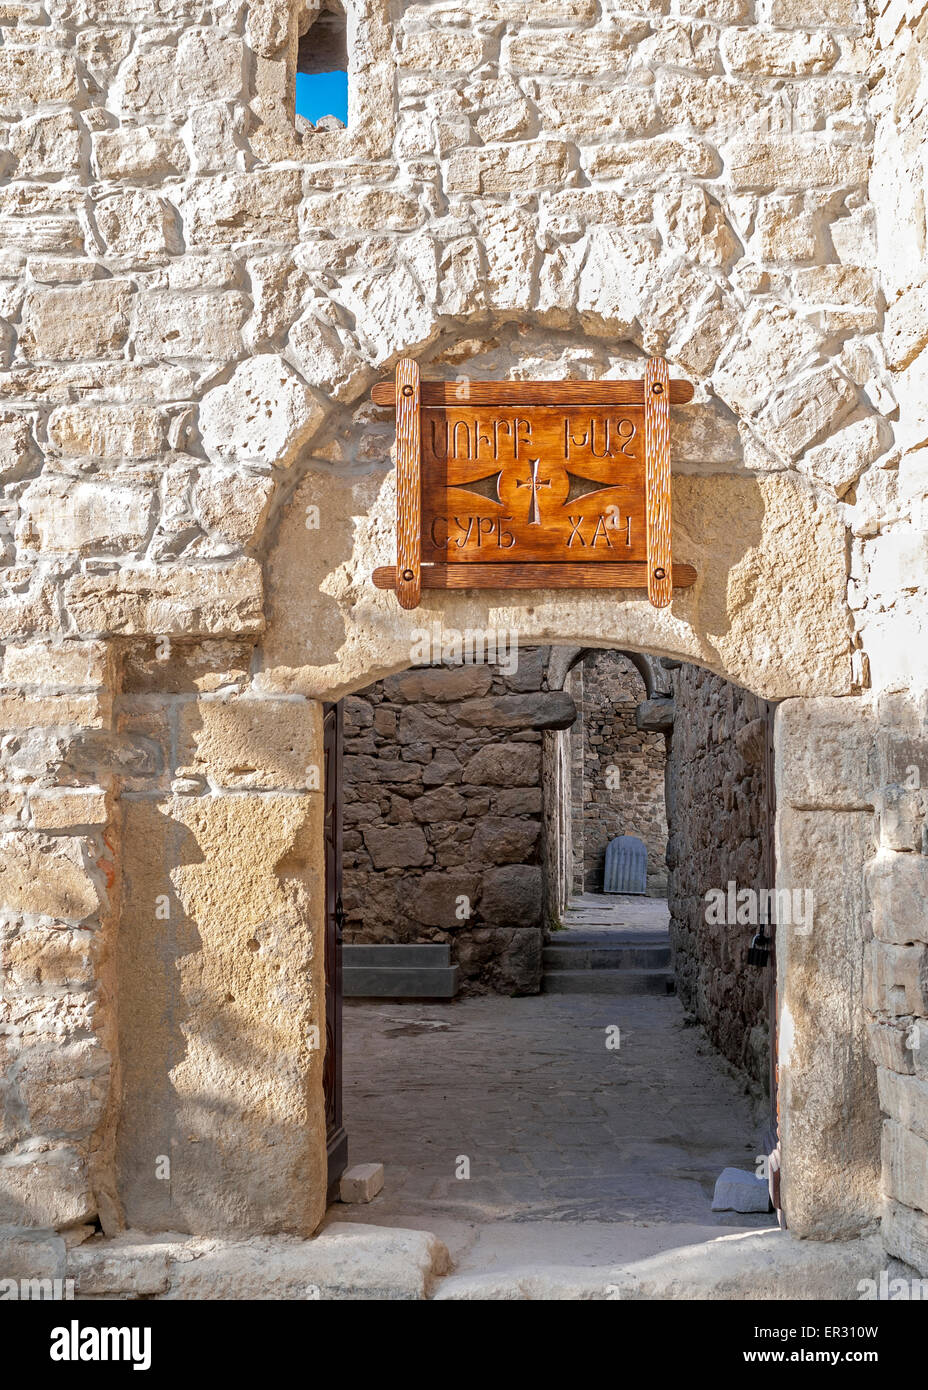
x: 533, y: 517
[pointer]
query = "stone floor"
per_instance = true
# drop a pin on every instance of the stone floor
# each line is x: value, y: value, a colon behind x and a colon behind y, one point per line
x: 575, y: 1149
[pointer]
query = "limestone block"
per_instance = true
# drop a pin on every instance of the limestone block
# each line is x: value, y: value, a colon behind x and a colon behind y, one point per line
x: 40, y: 960
x: 139, y: 226
x: 65, y: 1090
x: 839, y: 462
x: 511, y: 896
x: 905, y: 1235
x: 61, y: 514
x: 264, y: 414
x: 169, y: 600
x: 346, y: 1260
x: 905, y: 333
x: 805, y: 410
x: 16, y: 445
x: 119, y: 1268
x: 237, y: 742
x: 88, y: 321
x: 326, y: 351
x: 786, y: 228
x: 889, y: 1042
x: 47, y: 146
x: 585, y: 112
x: 503, y: 169
x: 207, y: 326
x: 31, y: 1255
x: 259, y: 206
x: 235, y: 1099
x: 511, y: 251
x: 778, y: 54
x: 905, y: 1099
x: 392, y: 312
x: 752, y: 369
x: 68, y: 663
x: 137, y: 152
x: 543, y: 710
x: 66, y: 809
x: 736, y: 1190
x: 897, y: 885
x: 438, y: 50
x: 905, y: 1166
x: 372, y: 210
x: 825, y: 757
x: 28, y: 711
x: 643, y: 160
x: 793, y: 162
x: 31, y: 76
x: 616, y: 273
x: 203, y: 65
x: 586, y: 55
x: 441, y: 683
x: 56, y: 876
x: 50, y: 1190
x: 829, y: 1108
x: 504, y: 765
x: 898, y: 560
x: 107, y: 431
x: 361, y: 1182
x: 897, y: 979
x: 234, y: 505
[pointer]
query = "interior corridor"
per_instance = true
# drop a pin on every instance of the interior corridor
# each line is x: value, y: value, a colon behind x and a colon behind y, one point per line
x: 592, y: 1125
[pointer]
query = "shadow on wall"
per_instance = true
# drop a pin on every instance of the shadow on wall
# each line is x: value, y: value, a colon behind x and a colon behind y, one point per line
x: 752, y: 539
x: 218, y: 993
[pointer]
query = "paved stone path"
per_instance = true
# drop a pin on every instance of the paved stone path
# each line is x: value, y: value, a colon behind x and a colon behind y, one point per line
x: 558, y: 1128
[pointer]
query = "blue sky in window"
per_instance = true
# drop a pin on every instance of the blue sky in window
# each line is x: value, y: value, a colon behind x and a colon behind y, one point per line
x: 322, y: 94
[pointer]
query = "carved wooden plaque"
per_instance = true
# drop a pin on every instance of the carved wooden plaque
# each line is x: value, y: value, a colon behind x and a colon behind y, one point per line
x: 533, y: 484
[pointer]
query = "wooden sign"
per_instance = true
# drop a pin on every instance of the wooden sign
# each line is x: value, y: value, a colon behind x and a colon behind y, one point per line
x: 551, y: 484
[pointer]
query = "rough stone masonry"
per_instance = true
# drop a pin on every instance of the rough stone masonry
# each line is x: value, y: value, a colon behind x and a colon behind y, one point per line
x: 194, y: 300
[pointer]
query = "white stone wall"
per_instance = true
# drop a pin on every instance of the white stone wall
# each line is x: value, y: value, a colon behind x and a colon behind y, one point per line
x: 194, y: 299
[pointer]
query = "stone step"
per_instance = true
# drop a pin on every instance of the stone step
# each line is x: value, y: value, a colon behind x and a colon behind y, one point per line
x: 391, y: 954
x: 398, y: 972
x: 621, y: 957
x: 607, y: 982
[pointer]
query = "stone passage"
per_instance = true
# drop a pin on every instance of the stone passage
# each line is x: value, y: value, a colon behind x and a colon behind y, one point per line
x: 443, y: 810
x: 617, y: 782
x: 610, y: 945
x: 719, y: 828
x: 569, y: 1108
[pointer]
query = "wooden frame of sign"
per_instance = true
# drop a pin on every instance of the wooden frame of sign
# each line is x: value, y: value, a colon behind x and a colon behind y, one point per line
x: 533, y: 484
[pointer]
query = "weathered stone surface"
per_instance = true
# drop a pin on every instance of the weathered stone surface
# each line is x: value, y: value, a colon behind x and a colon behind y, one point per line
x: 207, y: 326
x: 187, y: 600
x: 49, y: 1190
x: 544, y: 710
x: 897, y: 885
x: 52, y: 875
x: 264, y: 415
x: 395, y: 847
x: 504, y: 765
x: 252, y: 744
x: 230, y: 1106
x: 511, y: 896
x: 61, y: 514
x: 90, y: 321
x: 107, y: 431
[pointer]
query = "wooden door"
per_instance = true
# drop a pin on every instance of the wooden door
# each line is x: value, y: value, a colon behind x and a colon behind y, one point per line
x: 336, y: 1138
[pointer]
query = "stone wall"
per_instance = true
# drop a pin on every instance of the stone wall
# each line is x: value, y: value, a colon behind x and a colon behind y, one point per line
x: 719, y: 833
x: 194, y: 300
x: 443, y: 811
x: 619, y: 772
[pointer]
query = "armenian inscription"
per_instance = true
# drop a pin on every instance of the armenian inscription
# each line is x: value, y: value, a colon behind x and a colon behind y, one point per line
x: 533, y: 484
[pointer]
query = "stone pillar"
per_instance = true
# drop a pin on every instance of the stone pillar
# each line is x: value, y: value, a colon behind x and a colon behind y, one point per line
x: 897, y: 984
x: 221, y: 978
x: 829, y: 1110
x: 58, y: 912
